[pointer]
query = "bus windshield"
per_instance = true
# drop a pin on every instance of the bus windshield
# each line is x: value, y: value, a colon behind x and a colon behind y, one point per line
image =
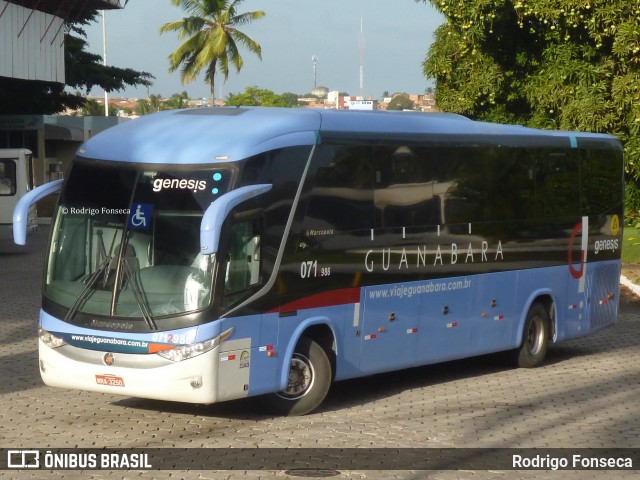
x: 126, y: 240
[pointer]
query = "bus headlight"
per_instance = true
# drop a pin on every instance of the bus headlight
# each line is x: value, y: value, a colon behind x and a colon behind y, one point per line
x: 50, y: 340
x: 185, y: 352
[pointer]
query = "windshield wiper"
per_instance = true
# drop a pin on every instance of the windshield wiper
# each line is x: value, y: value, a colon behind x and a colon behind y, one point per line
x: 101, y: 270
x: 84, y: 293
x: 138, y: 294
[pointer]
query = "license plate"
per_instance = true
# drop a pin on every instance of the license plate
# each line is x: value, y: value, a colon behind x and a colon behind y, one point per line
x: 110, y: 380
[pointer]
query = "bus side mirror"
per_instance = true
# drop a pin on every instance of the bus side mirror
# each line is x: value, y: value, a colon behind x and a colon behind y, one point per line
x: 219, y: 209
x: 21, y: 212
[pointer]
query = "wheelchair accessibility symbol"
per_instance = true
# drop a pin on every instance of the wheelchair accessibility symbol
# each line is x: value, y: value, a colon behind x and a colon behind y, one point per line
x: 140, y: 216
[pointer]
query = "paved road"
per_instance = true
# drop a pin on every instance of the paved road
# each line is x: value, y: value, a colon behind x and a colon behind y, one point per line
x: 586, y: 396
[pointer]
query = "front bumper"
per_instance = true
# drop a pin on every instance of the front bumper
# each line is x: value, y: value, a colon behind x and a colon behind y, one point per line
x: 146, y: 376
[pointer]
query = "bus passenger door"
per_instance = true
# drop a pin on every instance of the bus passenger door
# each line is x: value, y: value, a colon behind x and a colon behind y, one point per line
x: 389, y: 329
x: 244, y: 367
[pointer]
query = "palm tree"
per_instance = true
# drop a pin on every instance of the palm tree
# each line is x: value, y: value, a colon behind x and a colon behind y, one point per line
x: 178, y: 100
x: 155, y: 103
x: 212, y: 39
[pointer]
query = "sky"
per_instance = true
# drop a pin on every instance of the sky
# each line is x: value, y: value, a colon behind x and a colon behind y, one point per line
x: 397, y: 35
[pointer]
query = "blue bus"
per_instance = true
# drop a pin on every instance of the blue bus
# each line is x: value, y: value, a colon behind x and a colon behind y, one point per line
x: 211, y: 254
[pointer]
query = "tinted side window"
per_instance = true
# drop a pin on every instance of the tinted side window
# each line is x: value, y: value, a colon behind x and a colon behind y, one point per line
x: 390, y: 186
x: 557, y: 183
x: 480, y: 184
x: 601, y: 181
x: 492, y: 184
x: 403, y: 194
x: 340, y: 189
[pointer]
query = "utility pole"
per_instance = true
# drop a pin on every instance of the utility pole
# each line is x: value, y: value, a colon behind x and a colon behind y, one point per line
x: 104, y: 60
x: 314, y: 60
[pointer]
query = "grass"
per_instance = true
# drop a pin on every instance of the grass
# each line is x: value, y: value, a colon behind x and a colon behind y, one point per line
x: 631, y: 254
x: 631, y: 246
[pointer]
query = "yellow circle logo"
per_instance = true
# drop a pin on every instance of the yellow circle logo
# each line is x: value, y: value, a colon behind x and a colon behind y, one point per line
x: 615, y: 225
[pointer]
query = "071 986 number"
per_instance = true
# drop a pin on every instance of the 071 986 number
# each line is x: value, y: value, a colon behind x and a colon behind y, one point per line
x: 310, y: 269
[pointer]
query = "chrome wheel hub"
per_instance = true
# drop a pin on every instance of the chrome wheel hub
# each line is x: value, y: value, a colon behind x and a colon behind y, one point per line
x: 300, y: 378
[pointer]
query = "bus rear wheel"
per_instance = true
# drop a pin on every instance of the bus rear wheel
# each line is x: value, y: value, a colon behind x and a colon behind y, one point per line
x: 535, y: 338
x: 309, y: 381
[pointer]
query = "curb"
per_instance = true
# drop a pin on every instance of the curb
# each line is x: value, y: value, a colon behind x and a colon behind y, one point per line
x: 630, y: 285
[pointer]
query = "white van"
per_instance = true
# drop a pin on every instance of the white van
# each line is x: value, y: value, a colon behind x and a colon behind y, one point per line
x: 16, y: 179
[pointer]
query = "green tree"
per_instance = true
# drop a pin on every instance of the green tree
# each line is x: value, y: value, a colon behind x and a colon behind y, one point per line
x: 400, y: 102
x: 291, y: 98
x: 156, y: 103
x: 93, y: 108
x: 212, y: 39
x: 178, y: 100
x: 563, y: 64
x: 143, y: 107
x: 254, y: 96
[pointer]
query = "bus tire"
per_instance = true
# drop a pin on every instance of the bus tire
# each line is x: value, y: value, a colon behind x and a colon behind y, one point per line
x: 535, y: 337
x: 310, y: 377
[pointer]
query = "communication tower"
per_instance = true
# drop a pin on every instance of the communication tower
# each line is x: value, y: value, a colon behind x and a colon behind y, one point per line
x: 361, y: 45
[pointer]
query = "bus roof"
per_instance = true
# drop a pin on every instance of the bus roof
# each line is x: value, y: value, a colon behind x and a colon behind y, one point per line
x: 207, y: 135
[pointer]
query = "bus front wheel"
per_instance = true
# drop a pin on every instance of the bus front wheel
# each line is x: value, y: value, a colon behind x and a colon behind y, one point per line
x: 309, y: 381
x: 535, y: 338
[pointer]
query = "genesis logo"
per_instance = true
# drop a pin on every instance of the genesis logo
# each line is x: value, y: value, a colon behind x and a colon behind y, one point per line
x: 179, y: 184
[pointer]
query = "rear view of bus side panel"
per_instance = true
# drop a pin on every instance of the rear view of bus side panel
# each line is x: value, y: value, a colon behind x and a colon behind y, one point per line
x: 590, y: 302
x: 592, y: 276
x: 596, y: 243
x: 603, y: 287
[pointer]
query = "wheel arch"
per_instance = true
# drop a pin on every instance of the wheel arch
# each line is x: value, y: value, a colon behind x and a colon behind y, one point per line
x: 321, y: 331
x: 546, y: 298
